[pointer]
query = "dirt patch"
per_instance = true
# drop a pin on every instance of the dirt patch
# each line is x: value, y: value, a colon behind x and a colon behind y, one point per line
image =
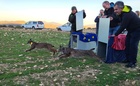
x: 52, y: 78
x: 11, y: 59
x: 19, y: 70
x: 28, y: 30
x: 53, y: 59
x: 4, y: 66
x: 61, y: 77
x: 24, y: 63
x: 86, y: 74
x: 17, y: 67
x: 57, y: 65
x: 130, y: 83
x: 21, y: 80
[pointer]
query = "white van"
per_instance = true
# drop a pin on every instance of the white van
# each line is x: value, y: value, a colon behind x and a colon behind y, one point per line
x: 33, y: 25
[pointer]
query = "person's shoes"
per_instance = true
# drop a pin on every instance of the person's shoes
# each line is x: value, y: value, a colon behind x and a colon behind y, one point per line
x: 130, y: 65
x: 125, y: 61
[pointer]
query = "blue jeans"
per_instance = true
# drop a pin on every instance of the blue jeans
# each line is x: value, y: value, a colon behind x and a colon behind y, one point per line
x: 113, y: 30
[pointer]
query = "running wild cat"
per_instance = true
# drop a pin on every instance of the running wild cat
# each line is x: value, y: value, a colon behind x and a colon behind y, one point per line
x: 70, y: 52
x: 47, y: 46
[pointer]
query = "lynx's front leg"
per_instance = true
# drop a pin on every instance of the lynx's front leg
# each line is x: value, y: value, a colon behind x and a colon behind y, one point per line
x: 63, y: 56
x: 32, y: 47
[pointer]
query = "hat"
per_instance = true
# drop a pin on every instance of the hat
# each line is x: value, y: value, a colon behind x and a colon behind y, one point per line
x: 73, y: 8
x: 112, y: 4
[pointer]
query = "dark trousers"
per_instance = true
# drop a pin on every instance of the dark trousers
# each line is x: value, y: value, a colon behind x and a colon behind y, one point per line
x: 97, y: 28
x: 132, y: 42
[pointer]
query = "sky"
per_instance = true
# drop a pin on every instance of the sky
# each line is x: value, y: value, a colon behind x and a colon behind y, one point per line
x: 53, y: 10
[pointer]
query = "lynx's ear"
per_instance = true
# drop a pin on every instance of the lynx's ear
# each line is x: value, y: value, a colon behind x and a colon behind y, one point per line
x: 60, y: 46
x: 30, y: 39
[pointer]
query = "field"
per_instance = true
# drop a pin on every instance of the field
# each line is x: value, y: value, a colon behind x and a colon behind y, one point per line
x: 39, y: 68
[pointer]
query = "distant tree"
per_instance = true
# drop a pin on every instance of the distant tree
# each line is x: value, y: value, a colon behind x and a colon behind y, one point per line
x: 3, y: 26
x: 11, y: 26
x: 93, y: 28
x: 89, y: 28
x: 18, y: 26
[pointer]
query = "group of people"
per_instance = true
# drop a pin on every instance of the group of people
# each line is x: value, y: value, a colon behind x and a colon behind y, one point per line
x: 121, y: 17
x: 108, y: 12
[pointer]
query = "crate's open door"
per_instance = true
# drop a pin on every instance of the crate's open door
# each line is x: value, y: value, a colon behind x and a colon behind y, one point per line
x: 79, y: 20
x: 103, y: 35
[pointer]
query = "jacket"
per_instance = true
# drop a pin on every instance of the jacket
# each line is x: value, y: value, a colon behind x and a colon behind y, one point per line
x: 97, y: 22
x: 72, y: 20
x: 110, y: 13
x: 129, y: 21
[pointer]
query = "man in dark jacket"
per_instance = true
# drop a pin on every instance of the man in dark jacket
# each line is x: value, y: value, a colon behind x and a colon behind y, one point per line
x: 97, y: 20
x: 130, y: 22
x: 114, y: 20
x: 72, y: 20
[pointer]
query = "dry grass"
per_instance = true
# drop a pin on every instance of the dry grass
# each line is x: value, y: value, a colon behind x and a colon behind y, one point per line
x: 39, y: 68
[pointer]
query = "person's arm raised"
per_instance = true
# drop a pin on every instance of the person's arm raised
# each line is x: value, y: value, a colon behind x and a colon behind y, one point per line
x: 84, y: 14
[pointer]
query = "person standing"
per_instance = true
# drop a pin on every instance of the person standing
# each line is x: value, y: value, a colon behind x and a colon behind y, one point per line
x: 97, y: 20
x: 72, y: 20
x: 112, y: 4
x: 138, y: 13
x: 131, y: 22
x: 114, y: 20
